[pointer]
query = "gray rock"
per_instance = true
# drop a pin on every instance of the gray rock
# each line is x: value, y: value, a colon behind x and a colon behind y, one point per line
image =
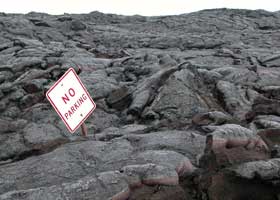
x: 8, y: 125
x: 77, y: 25
x: 3, y: 103
x: 114, y: 132
x: 22, y: 63
x: 146, y: 90
x: 70, y: 162
x: 5, y: 75
x: 178, y: 98
x: 37, y: 135
x: 266, y: 170
x: 268, y: 77
x: 272, y: 91
x: 150, y: 174
x: 17, y: 95
x: 99, y: 84
x: 35, y: 85
x: 266, y: 122
x: 11, y: 112
x: 271, y: 60
x: 238, y: 101
x: 11, y: 146
x: 6, y: 46
x: 30, y: 99
x: 211, y: 118
x: 100, y: 186
x: 187, y: 143
x: 170, y: 159
x: 120, y: 98
x: 231, y: 131
x: 100, y: 120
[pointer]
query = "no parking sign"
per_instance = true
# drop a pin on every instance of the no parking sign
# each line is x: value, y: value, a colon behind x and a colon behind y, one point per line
x: 71, y: 100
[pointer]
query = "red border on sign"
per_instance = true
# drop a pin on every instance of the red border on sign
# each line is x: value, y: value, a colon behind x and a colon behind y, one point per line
x: 56, y: 109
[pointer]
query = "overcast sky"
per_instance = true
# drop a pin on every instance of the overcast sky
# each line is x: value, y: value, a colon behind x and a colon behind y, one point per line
x: 131, y: 7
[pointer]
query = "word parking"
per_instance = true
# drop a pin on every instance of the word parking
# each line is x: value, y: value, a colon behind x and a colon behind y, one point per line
x: 75, y: 106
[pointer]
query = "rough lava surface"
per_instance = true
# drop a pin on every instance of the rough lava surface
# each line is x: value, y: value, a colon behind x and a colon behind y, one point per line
x: 188, y: 106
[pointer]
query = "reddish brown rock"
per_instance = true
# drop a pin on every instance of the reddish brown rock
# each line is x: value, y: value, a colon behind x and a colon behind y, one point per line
x: 224, y: 186
x: 222, y: 153
x: 232, y: 144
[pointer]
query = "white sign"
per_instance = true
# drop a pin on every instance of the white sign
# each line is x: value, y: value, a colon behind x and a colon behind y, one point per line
x: 71, y: 100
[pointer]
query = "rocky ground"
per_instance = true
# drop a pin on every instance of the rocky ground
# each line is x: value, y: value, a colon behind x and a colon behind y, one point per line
x: 188, y: 106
